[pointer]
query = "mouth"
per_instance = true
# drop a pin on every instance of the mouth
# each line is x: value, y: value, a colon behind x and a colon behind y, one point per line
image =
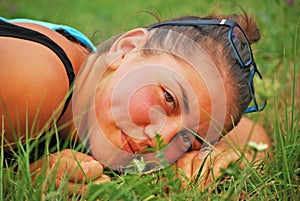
x: 128, y: 144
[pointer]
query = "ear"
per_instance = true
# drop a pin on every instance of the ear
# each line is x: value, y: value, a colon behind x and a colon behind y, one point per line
x: 126, y: 43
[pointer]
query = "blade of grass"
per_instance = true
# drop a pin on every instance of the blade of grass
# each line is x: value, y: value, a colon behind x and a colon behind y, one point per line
x: 2, y: 158
x: 294, y: 82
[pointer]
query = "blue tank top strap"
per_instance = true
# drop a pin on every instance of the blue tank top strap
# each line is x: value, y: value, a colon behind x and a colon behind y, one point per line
x: 73, y: 32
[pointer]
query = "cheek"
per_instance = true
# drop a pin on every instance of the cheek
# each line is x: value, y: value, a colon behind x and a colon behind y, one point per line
x: 140, y: 105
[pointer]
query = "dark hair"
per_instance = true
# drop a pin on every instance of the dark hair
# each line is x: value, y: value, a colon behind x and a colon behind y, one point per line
x: 214, y: 39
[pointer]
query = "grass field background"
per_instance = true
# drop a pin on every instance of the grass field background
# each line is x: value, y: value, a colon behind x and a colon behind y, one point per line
x: 277, y: 56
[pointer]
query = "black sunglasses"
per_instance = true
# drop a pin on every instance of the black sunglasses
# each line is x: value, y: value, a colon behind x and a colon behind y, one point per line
x: 235, y: 36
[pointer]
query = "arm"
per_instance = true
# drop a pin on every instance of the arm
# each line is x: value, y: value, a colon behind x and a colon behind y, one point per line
x: 246, y: 131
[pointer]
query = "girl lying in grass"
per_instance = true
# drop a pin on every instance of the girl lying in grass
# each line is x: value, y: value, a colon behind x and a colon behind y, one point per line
x: 170, y: 93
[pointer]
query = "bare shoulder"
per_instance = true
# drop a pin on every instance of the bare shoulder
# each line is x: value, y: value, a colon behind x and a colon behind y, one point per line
x: 33, y: 80
x: 33, y: 83
x: 75, y: 52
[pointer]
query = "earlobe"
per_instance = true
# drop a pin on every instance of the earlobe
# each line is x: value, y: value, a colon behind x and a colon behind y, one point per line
x: 131, y: 40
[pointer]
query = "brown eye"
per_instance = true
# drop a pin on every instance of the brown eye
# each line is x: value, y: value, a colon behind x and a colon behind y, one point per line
x: 169, y: 98
x: 170, y: 101
x: 185, y: 137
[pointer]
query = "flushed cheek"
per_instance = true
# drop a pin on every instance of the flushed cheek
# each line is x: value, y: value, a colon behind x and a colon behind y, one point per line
x: 141, y: 104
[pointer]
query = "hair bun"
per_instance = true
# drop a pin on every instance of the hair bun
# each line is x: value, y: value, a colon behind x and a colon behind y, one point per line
x: 248, y: 25
x: 246, y: 22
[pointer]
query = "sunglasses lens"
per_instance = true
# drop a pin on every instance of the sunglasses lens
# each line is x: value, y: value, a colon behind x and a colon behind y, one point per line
x: 241, y: 46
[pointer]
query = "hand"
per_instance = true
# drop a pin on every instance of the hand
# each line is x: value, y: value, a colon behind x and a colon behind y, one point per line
x: 210, y: 163
x: 77, y: 167
x: 228, y: 149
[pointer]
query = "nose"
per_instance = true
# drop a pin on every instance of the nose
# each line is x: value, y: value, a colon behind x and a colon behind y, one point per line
x: 167, y: 131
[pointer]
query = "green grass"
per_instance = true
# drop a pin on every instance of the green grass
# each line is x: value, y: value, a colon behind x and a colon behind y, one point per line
x: 277, y: 56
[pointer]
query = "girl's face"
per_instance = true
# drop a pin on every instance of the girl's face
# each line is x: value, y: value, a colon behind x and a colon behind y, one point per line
x: 141, y: 97
x: 146, y: 96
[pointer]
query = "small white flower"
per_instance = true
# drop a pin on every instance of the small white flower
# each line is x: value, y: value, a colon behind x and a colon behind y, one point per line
x: 257, y: 146
x: 139, y: 164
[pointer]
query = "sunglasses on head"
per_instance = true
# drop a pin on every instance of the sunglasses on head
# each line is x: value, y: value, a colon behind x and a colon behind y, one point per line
x: 236, y: 36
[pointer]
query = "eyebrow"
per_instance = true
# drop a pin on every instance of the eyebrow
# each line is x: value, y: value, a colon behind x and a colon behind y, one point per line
x: 184, y: 97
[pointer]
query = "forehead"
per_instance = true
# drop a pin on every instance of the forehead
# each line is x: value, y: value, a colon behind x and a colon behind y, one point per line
x: 177, y: 68
x: 171, y: 72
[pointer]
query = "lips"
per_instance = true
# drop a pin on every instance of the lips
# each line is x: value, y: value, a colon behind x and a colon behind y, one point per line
x: 128, y: 144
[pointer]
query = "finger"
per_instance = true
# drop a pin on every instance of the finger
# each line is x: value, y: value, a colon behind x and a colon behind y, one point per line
x: 221, y: 162
x: 185, y: 165
x: 36, y: 166
x: 75, y: 165
x: 206, y: 157
x: 63, y: 165
x: 217, y: 152
x: 92, y: 169
x: 69, y: 153
x: 80, y: 188
x: 201, y: 172
x: 77, y: 170
x: 71, y: 187
x: 39, y: 169
x: 103, y: 178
